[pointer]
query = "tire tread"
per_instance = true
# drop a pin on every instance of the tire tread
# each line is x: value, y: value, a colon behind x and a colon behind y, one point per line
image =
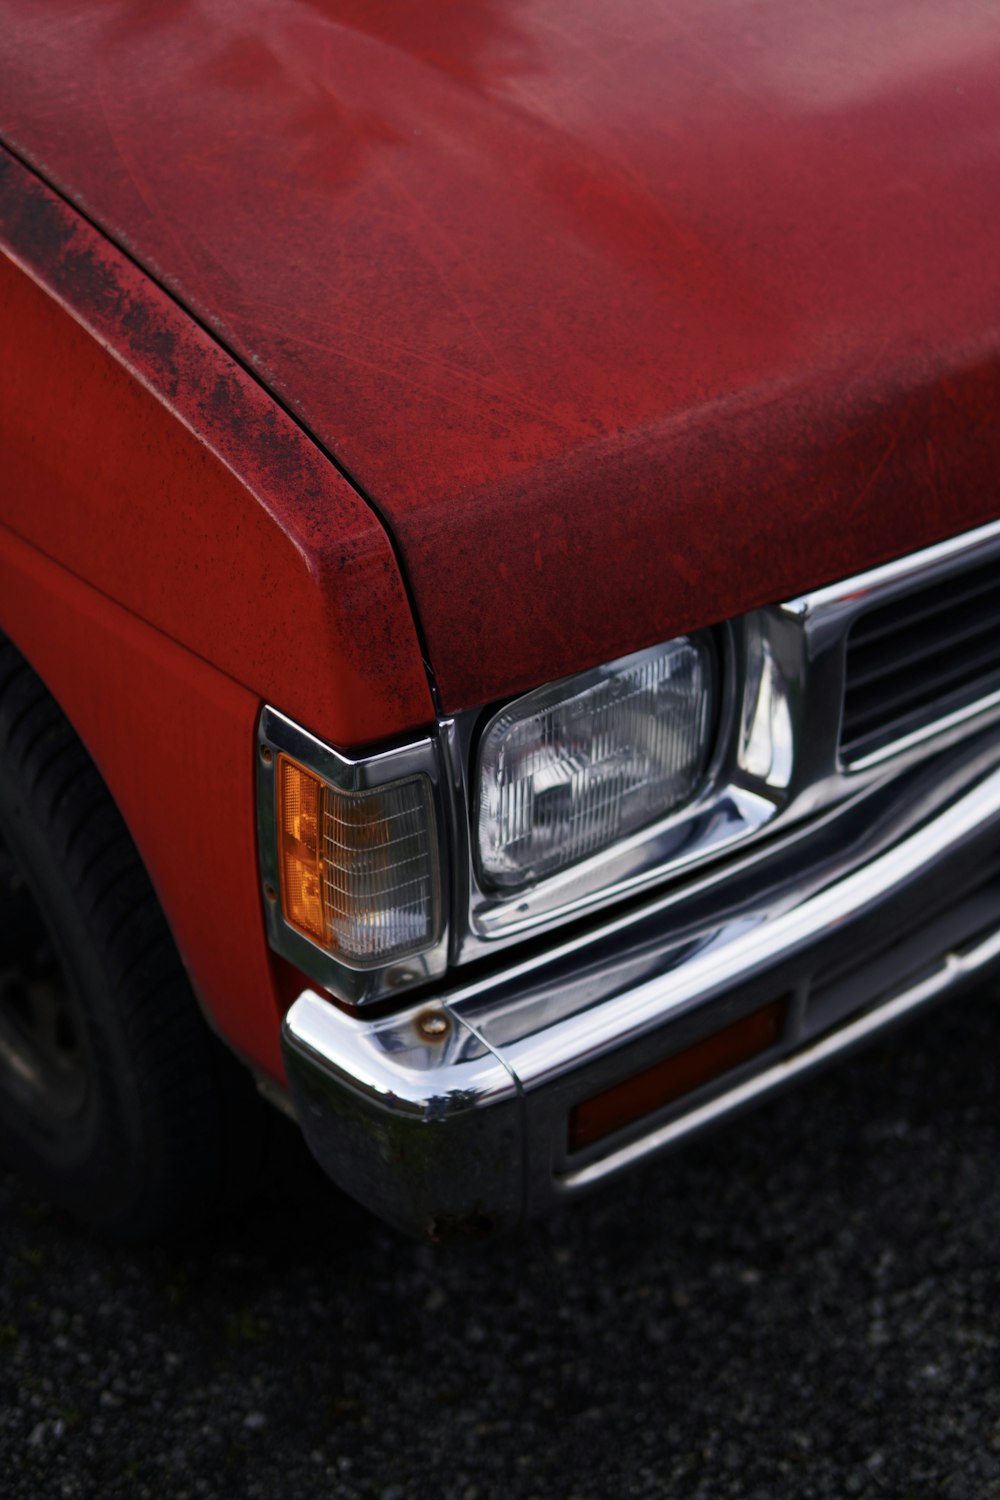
x: 194, y: 1099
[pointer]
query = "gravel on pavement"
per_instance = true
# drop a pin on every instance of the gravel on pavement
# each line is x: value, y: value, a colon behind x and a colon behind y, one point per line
x: 806, y: 1303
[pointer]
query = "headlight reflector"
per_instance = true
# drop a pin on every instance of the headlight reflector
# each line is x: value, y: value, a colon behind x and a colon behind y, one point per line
x: 577, y: 765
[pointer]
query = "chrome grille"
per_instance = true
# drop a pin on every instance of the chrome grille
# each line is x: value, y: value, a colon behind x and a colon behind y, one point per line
x: 920, y: 656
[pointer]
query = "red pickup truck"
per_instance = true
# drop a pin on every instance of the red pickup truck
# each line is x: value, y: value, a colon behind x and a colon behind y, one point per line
x: 498, y: 574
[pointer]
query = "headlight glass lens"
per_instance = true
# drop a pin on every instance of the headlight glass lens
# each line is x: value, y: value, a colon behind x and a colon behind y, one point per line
x: 568, y: 770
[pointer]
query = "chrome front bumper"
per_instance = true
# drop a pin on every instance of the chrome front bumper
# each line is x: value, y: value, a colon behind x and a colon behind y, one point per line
x: 451, y: 1116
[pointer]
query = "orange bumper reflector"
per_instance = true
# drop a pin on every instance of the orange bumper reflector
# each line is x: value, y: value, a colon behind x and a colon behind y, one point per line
x: 299, y: 806
x: 675, y: 1076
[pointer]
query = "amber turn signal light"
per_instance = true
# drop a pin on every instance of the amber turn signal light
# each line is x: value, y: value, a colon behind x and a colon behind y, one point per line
x: 671, y: 1079
x: 300, y: 855
x: 357, y: 869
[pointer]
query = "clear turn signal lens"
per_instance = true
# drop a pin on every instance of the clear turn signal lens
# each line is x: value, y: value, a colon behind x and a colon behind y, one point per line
x: 568, y: 770
x: 358, y: 869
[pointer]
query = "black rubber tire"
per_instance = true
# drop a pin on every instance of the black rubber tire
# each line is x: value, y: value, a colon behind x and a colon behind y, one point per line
x: 161, y: 1126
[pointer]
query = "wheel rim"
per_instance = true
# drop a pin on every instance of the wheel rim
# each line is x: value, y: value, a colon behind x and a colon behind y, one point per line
x: 43, y: 1064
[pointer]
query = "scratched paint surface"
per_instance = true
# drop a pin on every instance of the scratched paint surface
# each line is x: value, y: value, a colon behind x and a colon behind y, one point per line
x: 164, y: 476
x: 626, y: 317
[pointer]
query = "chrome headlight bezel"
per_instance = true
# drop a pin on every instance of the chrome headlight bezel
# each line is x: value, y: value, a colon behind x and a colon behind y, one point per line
x: 757, y: 683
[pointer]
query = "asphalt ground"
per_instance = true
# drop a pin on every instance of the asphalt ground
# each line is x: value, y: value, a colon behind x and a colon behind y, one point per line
x: 805, y: 1304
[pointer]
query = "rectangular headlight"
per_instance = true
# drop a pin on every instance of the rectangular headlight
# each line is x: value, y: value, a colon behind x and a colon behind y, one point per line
x: 358, y: 870
x: 568, y: 770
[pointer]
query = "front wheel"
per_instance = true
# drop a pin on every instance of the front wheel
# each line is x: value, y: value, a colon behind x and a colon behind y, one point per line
x: 116, y: 1101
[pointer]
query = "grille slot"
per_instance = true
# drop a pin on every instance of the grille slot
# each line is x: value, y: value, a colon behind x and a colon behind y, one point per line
x: 919, y: 657
x: 913, y: 942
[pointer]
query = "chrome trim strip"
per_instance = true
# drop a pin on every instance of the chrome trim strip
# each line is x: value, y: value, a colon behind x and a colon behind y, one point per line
x: 466, y: 1100
x: 347, y: 980
x: 750, y: 947
x: 977, y: 711
x: 902, y: 574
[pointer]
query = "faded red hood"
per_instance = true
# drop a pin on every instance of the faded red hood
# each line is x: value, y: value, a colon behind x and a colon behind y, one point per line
x: 626, y: 317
